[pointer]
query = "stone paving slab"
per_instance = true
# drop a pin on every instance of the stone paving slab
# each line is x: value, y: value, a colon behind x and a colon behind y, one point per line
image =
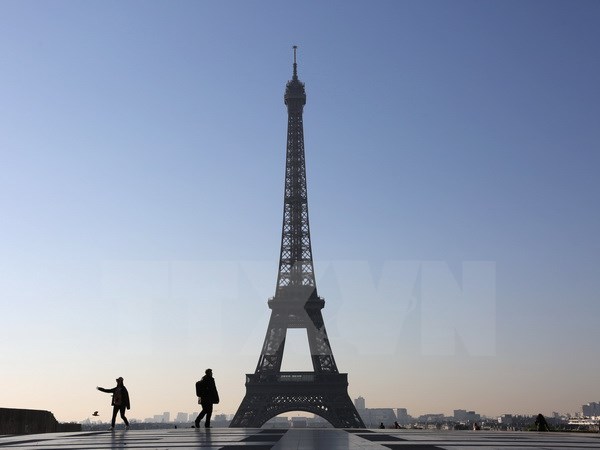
x: 300, y: 439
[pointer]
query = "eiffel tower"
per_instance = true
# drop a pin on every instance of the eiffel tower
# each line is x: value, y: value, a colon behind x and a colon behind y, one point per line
x: 296, y: 304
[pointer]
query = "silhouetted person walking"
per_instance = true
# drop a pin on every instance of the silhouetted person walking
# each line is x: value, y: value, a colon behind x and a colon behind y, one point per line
x: 120, y: 401
x: 206, y: 390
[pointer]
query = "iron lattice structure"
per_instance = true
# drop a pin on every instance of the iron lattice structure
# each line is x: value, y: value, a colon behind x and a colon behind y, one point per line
x: 296, y: 304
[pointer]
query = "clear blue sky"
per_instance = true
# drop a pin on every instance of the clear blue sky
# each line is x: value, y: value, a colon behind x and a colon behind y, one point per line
x: 142, y: 150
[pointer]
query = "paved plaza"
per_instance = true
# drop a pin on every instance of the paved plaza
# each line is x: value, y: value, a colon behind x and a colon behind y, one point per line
x: 326, y: 438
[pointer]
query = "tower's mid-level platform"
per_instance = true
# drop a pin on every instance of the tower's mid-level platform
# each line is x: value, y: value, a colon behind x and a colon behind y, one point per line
x: 294, y: 380
x: 308, y: 438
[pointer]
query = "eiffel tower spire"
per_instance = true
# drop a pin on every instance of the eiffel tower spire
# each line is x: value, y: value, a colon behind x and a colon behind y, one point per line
x: 295, y: 75
x: 269, y: 391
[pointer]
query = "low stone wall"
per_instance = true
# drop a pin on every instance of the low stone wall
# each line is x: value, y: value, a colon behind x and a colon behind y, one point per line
x: 31, y: 421
x: 68, y: 427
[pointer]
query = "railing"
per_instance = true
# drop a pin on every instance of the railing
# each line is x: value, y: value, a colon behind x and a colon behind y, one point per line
x: 296, y: 377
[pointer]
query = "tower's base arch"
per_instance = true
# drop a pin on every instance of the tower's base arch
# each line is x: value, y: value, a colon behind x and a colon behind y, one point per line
x: 325, y: 395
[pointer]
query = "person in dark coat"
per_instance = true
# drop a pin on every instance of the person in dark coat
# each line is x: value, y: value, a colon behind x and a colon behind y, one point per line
x: 206, y: 390
x: 120, y: 401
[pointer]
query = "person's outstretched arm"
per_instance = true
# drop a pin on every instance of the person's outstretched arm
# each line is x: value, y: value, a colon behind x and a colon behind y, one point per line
x: 108, y: 391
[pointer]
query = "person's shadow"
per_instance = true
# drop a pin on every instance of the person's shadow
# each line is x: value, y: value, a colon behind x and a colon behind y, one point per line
x: 117, y: 439
x: 203, y: 439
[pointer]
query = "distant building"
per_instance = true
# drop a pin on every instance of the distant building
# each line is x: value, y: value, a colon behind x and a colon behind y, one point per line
x: 299, y: 422
x: 181, y: 417
x: 375, y: 416
x: 462, y: 415
x: 372, y: 417
x: 591, y: 409
x: 319, y: 422
x: 277, y: 422
x: 361, y: 409
x: 584, y: 421
x: 428, y: 418
x: 359, y: 403
x: 220, y: 421
x: 402, y: 416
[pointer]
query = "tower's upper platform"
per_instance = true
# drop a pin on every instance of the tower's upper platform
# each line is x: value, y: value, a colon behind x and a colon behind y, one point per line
x: 294, y: 89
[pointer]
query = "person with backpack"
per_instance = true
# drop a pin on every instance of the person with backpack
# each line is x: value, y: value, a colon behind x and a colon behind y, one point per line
x: 206, y: 390
x: 120, y: 401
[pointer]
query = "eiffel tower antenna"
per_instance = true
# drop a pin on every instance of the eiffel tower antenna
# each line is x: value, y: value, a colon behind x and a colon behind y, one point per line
x: 296, y: 304
x: 295, y: 74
